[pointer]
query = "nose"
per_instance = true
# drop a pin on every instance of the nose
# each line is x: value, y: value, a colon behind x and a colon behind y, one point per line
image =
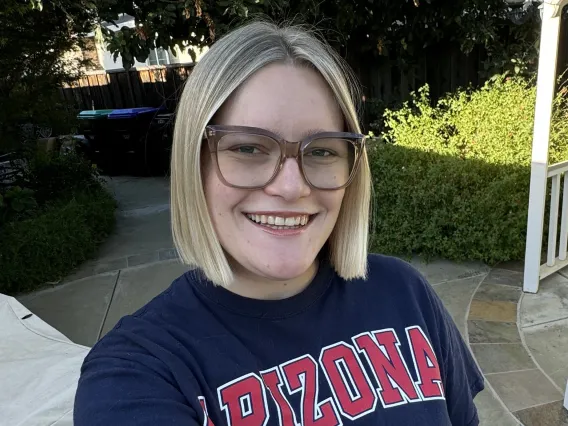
x: 289, y: 183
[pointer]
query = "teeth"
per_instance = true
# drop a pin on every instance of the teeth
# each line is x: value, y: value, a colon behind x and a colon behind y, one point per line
x: 279, y: 222
x: 290, y: 221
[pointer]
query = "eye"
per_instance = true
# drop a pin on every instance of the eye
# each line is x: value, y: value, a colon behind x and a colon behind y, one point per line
x: 246, y: 149
x: 320, y: 152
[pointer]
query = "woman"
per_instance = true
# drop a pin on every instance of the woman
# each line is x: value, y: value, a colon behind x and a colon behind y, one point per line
x: 285, y: 320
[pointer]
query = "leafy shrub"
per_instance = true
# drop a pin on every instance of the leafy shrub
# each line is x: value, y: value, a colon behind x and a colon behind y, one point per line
x: 52, y: 218
x: 48, y: 246
x: 16, y: 203
x: 452, y: 180
x: 55, y: 176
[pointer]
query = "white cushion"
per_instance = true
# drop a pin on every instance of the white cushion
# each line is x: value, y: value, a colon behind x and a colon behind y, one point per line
x: 39, y: 369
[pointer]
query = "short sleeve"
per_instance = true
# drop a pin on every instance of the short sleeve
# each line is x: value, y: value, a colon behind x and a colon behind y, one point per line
x: 123, y: 383
x: 461, y: 376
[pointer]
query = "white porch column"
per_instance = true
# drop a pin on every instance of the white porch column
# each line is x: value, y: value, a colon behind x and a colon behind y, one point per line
x: 546, y: 85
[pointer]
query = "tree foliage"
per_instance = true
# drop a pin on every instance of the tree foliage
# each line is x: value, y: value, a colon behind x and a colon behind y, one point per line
x: 36, y: 38
x: 36, y: 35
x: 377, y: 28
x: 167, y: 23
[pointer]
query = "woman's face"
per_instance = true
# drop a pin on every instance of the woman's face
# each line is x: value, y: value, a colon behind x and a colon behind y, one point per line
x: 292, y: 102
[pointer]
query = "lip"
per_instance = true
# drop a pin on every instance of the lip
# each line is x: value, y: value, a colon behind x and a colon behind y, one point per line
x: 281, y: 232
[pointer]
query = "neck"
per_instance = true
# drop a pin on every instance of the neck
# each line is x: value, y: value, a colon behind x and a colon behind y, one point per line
x: 253, y: 286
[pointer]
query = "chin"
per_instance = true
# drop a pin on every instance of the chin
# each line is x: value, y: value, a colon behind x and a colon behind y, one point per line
x: 284, y: 270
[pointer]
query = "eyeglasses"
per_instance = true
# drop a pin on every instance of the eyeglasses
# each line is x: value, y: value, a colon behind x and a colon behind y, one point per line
x: 251, y: 158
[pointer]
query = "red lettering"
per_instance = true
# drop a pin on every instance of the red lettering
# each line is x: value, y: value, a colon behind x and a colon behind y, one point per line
x: 244, y: 401
x: 382, y: 350
x: 348, y: 381
x: 206, y: 420
x: 301, y: 374
x: 273, y: 382
x: 426, y: 364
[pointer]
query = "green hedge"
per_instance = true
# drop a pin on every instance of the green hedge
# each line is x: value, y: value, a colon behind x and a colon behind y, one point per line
x: 48, y: 246
x: 452, y: 180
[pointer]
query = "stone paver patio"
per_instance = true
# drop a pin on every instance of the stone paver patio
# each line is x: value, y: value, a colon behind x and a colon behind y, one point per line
x: 520, y: 341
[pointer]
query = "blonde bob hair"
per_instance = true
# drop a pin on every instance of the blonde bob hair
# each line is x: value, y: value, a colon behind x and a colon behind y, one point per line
x: 229, y: 62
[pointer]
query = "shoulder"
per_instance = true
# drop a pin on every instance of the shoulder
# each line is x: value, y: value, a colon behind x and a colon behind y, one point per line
x: 149, y: 326
x: 130, y: 376
x: 178, y: 296
x: 399, y: 284
x: 145, y: 343
x: 393, y: 273
x: 379, y: 264
x: 403, y: 294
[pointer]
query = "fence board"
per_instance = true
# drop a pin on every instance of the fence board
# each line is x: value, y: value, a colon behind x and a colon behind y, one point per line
x: 136, y: 88
x: 104, y: 82
x: 145, y: 87
x: 115, y: 91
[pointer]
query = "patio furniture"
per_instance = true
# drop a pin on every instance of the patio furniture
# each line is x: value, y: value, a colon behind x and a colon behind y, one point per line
x: 39, y: 369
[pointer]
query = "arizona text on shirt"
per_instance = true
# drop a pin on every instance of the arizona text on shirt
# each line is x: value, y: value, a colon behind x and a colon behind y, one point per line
x: 246, y: 399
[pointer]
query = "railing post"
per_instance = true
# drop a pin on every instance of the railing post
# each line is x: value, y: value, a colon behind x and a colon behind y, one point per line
x: 546, y: 85
x: 564, y: 221
x: 553, y: 221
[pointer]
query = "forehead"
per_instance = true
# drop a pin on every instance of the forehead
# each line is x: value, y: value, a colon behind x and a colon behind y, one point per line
x: 286, y: 99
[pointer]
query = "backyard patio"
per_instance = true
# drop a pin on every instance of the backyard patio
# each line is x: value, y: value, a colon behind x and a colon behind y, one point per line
x: 519, y: 340
x: 512, y: 315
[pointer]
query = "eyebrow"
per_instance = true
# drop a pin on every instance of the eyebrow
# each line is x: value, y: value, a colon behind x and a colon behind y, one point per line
x: 304, y: 134
x: 315, y: 131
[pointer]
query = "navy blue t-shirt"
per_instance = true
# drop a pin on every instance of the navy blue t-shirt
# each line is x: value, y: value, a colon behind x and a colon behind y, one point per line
x: 381, y: 351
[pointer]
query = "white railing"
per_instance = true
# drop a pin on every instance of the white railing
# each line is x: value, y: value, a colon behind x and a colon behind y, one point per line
x: 566, y: 397
x: 556, y: 257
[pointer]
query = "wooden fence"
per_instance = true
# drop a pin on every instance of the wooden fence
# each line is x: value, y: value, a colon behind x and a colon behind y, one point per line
x: 153, y: 87
x: 156, y: 86
x: 161, y: 86
x: 444, y: 68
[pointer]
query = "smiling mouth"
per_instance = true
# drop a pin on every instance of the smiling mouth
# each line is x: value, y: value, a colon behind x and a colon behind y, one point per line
x: 279, y: 222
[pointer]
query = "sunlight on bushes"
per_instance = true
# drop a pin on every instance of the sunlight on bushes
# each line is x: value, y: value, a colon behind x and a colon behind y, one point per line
x: 452, y: 180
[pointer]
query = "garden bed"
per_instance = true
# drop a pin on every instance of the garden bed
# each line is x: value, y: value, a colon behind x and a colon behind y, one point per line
x: 53, y: 219
x: 47, y: 247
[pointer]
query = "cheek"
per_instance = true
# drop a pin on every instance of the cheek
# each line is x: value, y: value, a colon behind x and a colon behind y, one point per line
x: 214, y: 192
x: 332, y: 201
x: 221, y: 200
x: 217, y: 196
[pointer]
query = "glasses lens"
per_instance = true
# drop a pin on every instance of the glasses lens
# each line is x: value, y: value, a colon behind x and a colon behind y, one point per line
x: 247, y: 160
x: 328, y: 163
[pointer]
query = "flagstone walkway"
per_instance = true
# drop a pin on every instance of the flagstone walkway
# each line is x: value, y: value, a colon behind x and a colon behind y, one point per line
x: 520, y: 341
